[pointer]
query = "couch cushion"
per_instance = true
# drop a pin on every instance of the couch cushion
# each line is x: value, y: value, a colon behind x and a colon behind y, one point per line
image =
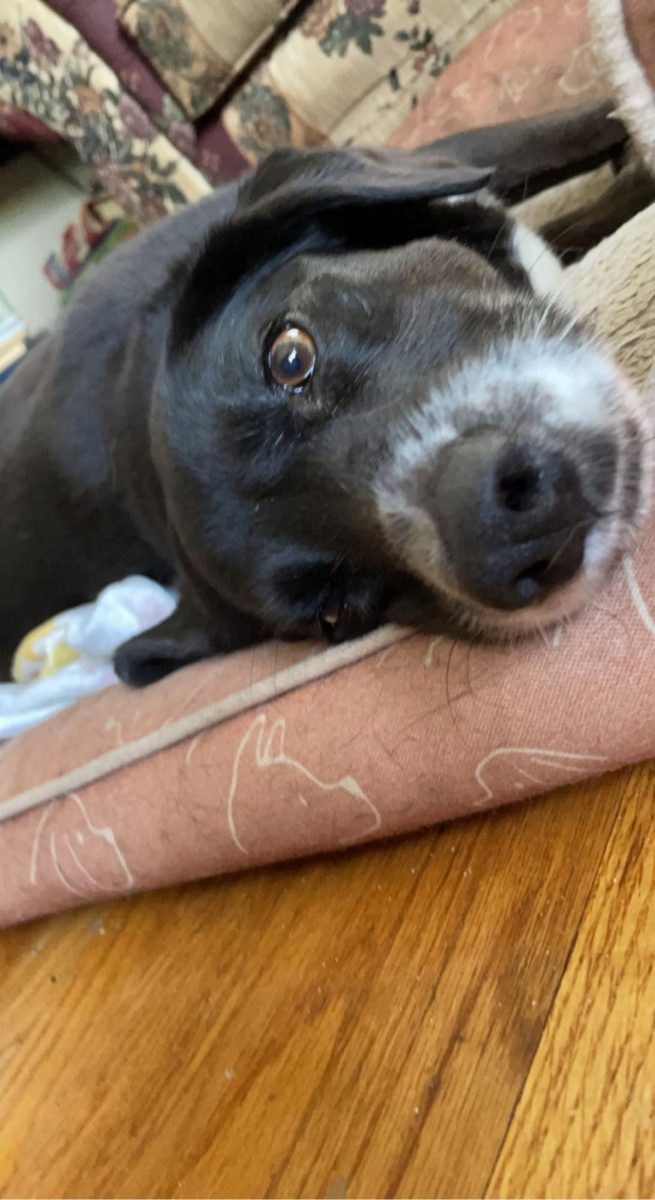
x: 198, y: 47
x: 351, y: 69
x: 54, y: 74
x: 98, y: 25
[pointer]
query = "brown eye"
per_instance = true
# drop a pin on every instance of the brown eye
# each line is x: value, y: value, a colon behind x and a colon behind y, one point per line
x: 292, y: 358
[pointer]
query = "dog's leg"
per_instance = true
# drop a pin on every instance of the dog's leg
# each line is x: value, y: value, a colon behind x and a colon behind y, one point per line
x: 574, y: 233
x: 183, y: 638
x: 534, y: 153
x: 176, y: 642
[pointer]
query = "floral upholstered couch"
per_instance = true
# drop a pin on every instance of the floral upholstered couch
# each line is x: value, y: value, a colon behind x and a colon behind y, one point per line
x: 166, y: 98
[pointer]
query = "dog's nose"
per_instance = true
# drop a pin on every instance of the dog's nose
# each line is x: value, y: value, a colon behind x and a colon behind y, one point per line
x: 512, y: 517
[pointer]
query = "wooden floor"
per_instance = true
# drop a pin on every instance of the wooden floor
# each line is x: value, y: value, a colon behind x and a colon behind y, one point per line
x: 466, y: 1013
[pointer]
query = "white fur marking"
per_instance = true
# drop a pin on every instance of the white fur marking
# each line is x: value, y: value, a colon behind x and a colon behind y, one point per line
x: 542, y: 267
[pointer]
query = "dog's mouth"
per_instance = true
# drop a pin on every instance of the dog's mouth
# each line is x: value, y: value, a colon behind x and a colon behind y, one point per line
x: 338, y: 618
x: 332, y: 602
x: 457, y: 582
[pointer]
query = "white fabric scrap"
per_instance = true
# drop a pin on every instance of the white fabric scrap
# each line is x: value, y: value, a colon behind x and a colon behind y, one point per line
x: 70, y: 656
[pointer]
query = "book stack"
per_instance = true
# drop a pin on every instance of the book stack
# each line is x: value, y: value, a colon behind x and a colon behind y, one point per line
x: 13, y: 337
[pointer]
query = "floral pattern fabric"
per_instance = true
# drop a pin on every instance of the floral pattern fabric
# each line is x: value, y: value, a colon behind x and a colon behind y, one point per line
x: 199, y: 50
x: 345, y: 71
x: 209, y: 148
x: 49, y: 72
x: 350, y: 70
x: 171, y: 42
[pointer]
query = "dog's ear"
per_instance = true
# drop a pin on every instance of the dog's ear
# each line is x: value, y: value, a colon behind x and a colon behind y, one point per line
x: 534, y: 153
x: 327, y: 179
x: 517, y: 158
x: 320, y: 201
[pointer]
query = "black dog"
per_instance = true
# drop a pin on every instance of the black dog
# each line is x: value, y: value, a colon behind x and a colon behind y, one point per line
x: 332, y: 395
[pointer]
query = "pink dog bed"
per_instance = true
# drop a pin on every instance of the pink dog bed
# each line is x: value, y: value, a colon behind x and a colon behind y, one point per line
x: 286, y: 751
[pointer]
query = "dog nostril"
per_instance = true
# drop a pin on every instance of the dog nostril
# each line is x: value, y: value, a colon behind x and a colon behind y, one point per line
x: 513, y: 518
x: 530, y: 582
x: 518, y: 488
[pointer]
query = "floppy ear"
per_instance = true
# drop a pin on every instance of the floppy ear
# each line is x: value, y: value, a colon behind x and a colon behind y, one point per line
x: 358, y: 177
x: 533, y: 153
x: 304, y: 200
x: 322, y: 200
x: 517, y: 158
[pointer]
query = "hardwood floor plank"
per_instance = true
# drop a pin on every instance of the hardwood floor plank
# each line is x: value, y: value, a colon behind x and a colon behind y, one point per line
x: 359, y: 1025
x: 585, y: 1124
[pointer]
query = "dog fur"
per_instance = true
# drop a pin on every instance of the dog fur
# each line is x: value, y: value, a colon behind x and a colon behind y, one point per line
x: 144, y: 435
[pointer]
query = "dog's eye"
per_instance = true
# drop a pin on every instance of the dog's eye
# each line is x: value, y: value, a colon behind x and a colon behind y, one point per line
x: 292, y: 358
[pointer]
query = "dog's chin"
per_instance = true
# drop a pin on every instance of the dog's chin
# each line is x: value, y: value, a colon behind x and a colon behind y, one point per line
x: 494, y: 625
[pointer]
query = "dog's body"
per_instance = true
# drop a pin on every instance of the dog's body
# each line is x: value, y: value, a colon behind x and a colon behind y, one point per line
x: 76, y: 476
x: 153, y: 433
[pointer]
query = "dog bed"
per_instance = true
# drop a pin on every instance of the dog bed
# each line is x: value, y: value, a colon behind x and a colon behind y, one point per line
x: 287, y: 750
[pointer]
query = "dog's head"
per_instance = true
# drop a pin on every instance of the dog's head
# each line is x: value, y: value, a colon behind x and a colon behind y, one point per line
x: 368, y: 411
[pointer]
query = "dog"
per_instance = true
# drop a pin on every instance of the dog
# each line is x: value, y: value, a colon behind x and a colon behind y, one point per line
x: 338, y: 392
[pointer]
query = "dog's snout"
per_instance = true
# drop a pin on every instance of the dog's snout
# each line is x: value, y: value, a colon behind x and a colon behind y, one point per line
x: 512, y: 517
x: 517, y: 480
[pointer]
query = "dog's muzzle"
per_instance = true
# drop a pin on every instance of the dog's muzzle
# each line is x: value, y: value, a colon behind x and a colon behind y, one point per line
x: 518, y: 483
x: 513, y: 519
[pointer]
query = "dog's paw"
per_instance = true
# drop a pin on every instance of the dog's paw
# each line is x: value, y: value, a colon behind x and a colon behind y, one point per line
x: 176, y: 642
x: 146, y: 659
